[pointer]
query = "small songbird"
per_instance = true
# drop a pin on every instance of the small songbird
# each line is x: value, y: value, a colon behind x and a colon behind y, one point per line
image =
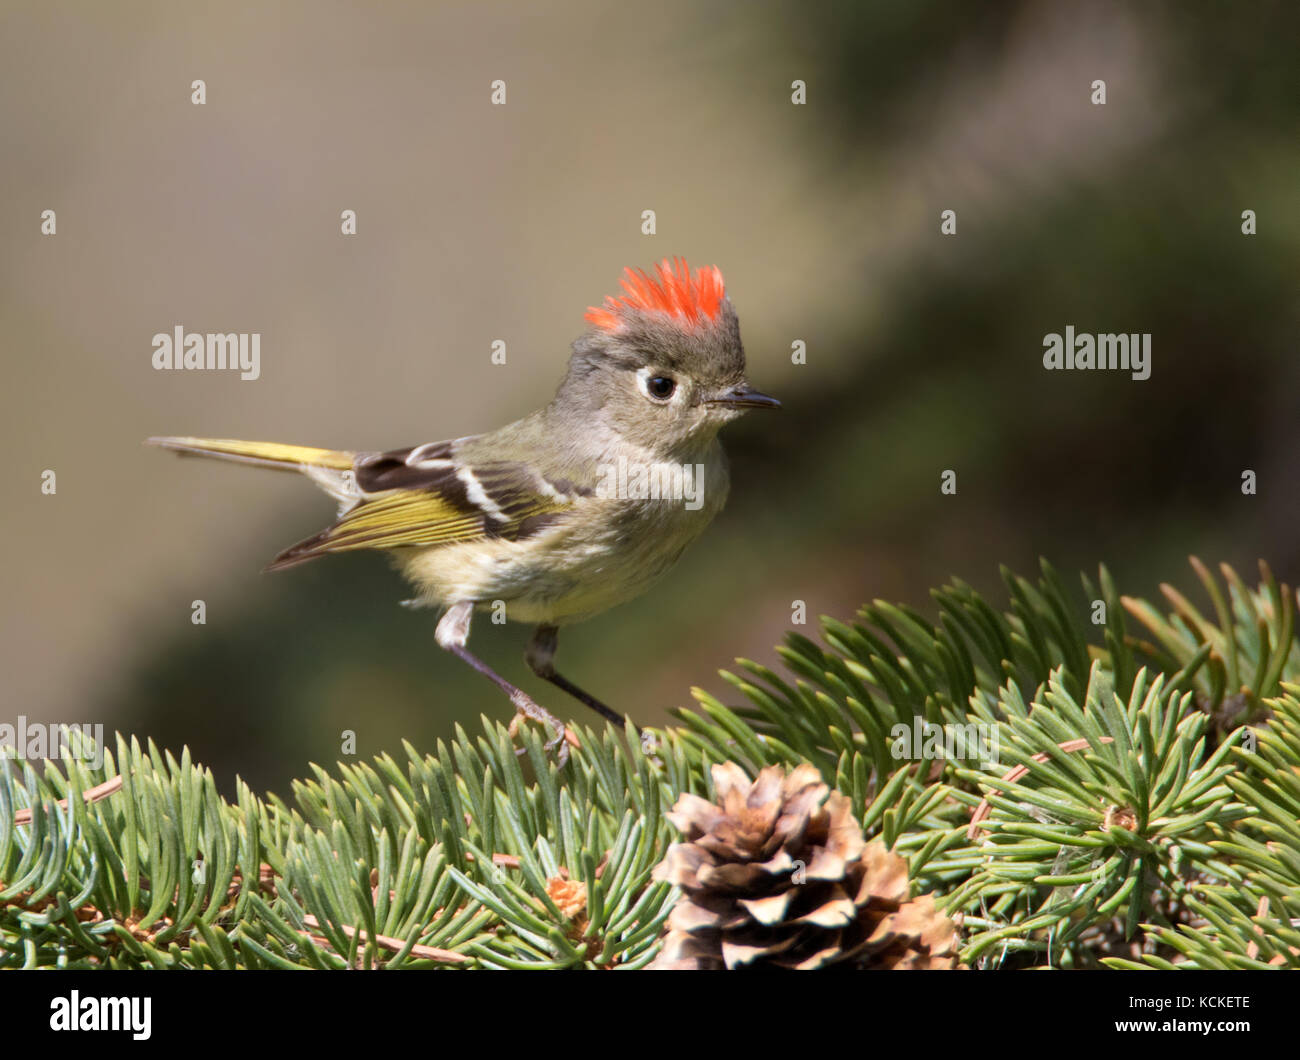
x: 568, y: 511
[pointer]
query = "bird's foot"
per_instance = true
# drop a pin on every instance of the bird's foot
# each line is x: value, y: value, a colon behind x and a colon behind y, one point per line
x: 528, y: 709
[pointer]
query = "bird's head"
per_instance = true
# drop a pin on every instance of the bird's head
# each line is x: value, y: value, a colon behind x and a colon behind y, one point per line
x: 662, y: 364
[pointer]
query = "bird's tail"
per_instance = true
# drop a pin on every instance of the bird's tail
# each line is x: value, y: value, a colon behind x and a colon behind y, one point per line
x: 330, y: 469
x: 261, y: 454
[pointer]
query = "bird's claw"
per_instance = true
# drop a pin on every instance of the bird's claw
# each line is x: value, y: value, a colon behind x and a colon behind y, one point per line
x: 559, y: 740
x: 564, y: 738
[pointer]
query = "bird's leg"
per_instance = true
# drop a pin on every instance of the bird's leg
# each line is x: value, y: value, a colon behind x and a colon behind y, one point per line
x: 541, y: 659
x: 453, y: 632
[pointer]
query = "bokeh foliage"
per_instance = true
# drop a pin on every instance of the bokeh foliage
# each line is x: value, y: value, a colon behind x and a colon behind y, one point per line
x: 1118, y: 218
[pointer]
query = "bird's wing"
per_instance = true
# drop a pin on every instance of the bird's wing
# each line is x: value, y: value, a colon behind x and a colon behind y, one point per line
x: 431, y: 495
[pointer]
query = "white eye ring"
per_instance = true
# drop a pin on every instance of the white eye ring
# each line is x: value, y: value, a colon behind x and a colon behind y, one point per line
x: 645, y: 377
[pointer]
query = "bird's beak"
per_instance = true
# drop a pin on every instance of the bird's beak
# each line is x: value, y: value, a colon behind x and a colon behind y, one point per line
x: 743, y: 396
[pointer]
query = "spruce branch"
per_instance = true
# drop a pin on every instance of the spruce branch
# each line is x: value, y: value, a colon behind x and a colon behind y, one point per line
x: 1140, y: 810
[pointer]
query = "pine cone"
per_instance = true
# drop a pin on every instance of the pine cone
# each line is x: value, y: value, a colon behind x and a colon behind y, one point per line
x: 772, y: 877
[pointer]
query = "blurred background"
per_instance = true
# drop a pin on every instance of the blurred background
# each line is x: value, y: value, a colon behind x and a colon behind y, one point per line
x: 478, y: 222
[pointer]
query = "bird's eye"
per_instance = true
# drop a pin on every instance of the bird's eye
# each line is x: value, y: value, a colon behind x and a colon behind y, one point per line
x: 661, y: 387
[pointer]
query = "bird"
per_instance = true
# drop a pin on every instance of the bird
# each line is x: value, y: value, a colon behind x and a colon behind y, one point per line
x: 567, y: 512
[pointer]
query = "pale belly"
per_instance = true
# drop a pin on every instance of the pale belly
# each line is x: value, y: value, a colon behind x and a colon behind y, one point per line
x: 573, y: 569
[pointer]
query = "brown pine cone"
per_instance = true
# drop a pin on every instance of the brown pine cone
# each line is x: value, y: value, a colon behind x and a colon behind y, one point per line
x: 778, y: 874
